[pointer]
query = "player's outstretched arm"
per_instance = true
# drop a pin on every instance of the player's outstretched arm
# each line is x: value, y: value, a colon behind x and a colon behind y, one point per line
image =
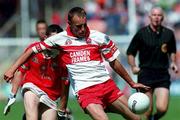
x: 118, y: 68
x: 9, y: 74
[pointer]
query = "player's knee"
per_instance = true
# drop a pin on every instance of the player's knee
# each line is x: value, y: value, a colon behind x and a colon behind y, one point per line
x: 162, y: 109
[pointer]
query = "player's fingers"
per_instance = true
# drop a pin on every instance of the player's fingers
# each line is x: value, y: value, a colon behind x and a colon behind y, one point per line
x: 5, y: 77
x: 146, y: 88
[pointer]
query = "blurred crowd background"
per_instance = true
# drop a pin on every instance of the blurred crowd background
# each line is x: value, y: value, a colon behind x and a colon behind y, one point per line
x: 110, y: 16
x: 118, y: 18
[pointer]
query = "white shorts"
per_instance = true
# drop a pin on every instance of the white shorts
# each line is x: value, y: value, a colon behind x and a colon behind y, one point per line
x: 43, y: 97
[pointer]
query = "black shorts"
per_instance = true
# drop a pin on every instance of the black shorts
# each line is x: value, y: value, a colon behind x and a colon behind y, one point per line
x: 154, y: 78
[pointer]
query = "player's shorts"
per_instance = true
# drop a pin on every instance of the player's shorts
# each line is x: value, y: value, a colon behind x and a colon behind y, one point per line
x: 43, y: 97
x: 154, y: 78
x: 103, y: 94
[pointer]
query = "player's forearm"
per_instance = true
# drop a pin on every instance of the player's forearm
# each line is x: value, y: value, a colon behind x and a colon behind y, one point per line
x: 63, y: 104
x: 21, y: 60
x: 118, y: 68
x: 16, y: 82
x: 131, y: 60
x: 64, y: 96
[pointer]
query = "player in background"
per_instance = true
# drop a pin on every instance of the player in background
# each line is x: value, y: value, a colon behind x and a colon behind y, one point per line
x: 41, y: 27
x: 157, y: 47
x: 81, y: 54
x: 41, y: 30
x: 41, y: 83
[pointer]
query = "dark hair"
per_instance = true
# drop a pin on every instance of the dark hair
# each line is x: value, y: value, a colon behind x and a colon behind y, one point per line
x: 41, y: 21
x: 76, y: 11
x: 53, y: 28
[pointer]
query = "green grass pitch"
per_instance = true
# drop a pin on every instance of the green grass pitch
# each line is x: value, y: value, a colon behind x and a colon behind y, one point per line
x: 17, y: 111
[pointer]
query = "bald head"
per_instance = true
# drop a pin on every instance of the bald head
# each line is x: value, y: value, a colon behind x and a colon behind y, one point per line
x: 155, y: 10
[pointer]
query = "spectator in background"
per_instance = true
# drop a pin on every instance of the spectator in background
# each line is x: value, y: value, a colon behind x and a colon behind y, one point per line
x: 56, y: 18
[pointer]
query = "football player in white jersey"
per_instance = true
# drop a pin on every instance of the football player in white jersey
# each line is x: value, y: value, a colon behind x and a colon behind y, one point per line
x: 82, y: 52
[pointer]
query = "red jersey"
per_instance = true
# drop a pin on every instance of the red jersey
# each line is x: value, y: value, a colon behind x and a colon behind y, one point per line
x: 44, y: 72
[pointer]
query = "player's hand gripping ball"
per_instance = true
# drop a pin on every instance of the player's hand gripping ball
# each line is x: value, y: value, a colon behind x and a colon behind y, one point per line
x: 138, y: 103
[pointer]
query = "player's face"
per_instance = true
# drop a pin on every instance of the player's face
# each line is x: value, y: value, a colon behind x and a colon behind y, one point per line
x: 41, y: 30
x: 156, y: 17
x: 78, y: 26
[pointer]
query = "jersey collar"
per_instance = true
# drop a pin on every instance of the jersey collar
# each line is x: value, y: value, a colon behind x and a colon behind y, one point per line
x: 158, y: 32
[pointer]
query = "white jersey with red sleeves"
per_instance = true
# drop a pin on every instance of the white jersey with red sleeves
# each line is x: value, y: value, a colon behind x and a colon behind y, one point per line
x: 82, y: 57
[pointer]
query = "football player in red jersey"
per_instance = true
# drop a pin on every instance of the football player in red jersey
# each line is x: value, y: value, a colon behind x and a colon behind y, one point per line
x: 41, y: 84
x: 41, y: 30
x: 41, y: 27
